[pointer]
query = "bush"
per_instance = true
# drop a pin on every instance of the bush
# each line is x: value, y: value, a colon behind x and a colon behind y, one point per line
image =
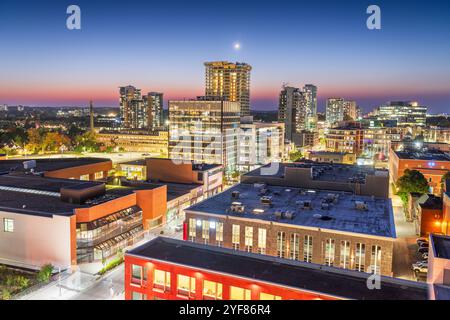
x: 45, y: 273
x: 111, y: 265
x: 6, y: 295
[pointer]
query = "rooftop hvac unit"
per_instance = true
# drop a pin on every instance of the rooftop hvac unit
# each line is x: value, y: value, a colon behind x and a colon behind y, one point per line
x: 267, y: 201
x: 306, y: 205
x: 289, y: 215
x: 325, y: 206
x: 237, y: 207
x: 235, y: 195
x: 279, y: 214
x: 28, y: 165
x: 361, y: 205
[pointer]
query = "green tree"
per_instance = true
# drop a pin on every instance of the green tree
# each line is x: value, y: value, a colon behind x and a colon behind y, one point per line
x: 45, y: 273
x: 411, y: 181
x: 295, y: 155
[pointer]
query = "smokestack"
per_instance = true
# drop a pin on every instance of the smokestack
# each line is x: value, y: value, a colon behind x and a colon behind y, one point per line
x: 91, y: 115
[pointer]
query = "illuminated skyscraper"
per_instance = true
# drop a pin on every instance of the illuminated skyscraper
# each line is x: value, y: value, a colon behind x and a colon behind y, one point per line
x: 230, y: 82
x: 334, y: 110
x: 292, y: 110
x: 310, y: 93
x: 154, y: 106
x: 130, y: 106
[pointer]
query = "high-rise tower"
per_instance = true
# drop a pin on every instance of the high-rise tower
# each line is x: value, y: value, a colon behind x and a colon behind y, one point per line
x: 229, y: 81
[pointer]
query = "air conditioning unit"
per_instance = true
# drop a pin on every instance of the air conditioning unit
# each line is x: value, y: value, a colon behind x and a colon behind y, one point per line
x: 235, y: 195
x: 361, y: 205
x: 237, y: 207
x: 278, y: 214
x: 325, y: 206
x: 289, y: 215
x: 267, y: 201
x: 307, y: 205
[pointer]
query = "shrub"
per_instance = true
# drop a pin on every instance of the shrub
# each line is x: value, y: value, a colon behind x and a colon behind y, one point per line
x: 6, y: 295
x: 45, y: 273
x: 111, y: 265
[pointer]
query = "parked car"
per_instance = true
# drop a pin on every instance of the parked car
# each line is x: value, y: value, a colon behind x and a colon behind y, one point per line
x: 179, y: 228
x: 423, y: 250
x: 421, y: 240
x: 425, y: 256
x: 421, y: 267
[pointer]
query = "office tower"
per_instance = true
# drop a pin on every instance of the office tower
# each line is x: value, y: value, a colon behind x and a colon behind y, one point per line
x: 310, y: 93
x: 154, y: 106
x: 91, y: 116
x: 230, y: 82
x: 406, y: 113
x: 350, y: 110
x: 204, y: 131
x: 334, y: 110
x: 130, y: 106
x: 292, y: 110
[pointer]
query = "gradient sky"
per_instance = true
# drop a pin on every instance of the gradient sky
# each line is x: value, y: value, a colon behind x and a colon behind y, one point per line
x: 161, y: 46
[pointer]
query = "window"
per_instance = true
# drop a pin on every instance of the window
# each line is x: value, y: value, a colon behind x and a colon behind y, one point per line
x: 329, y: 252
x: 212, y: 290
x: 136, y: 274
x: 98, y: 175
x: 192, y: 229
x: 262, y: 235
x: 84, y: 177
x: 360, y: 257
x: 161, y: 280
x: 185, y: 286
x: 281, y: 244
x: 138, y: 296
x: 205, y: 231
x: 267, y: 296
x: 237, y: 293
x: 219, y: 234
x: 8, y: 225
x: 236, y: 232
x: 307, y: 248
x: 375, y: 260
x: 345, y: 254
x: 294, y: 246
x: 248, y: 239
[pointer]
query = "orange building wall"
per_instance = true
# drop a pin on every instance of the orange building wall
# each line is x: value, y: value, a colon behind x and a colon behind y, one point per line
x: 76, y: 172
x: 73, y: 239
x: 104, y: 209
x: 153, y: 204
x: 166, y: 170
x: 430, y: 221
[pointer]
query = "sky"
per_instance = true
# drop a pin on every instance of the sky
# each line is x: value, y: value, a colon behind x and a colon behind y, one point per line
x: 162, y: 45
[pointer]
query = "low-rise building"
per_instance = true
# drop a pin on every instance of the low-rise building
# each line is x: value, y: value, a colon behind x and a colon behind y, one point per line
x: 345, y: 139
x: 426, y: 211
x: 332, y: 228
x: 65, y: 168
x: 432, y: 164
x: 180, y: 270
x: 331, y: 157
x: 155, y: 142
x: 438, y: 276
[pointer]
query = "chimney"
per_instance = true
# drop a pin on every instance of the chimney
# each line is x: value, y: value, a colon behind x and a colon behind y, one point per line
x: 91, y: 116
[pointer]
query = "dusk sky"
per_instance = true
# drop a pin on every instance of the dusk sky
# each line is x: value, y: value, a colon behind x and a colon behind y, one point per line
x: 161, y: 46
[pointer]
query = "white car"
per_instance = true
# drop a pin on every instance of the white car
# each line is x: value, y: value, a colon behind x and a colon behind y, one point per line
x: 420, y: 266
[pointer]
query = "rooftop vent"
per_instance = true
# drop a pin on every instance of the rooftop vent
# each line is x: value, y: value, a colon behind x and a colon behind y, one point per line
x: 289, y: 215
x: 278, y: 214
x: 306, y: 204
x: 266, y: 200
x: 317, y: 216
x: 361, y: 205
x: 235, y: 195
x: 28, y: 165
x: 325, y: 206
x: 237, y: 207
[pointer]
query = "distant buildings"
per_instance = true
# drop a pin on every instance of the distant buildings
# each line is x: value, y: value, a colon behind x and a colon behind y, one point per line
x: 205, y: 131
x: 404, y: 112
x: 297, y: 109
x: 229, y: 81
x: 137, y: 112
x: 334, y: 111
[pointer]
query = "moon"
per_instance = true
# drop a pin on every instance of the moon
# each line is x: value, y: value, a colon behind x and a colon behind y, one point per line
x: 237, y: 46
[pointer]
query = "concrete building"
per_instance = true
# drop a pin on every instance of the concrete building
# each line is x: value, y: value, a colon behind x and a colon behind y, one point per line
x: 378, y: 141
x: 359, y: 180
x: 154, y: 105
x: 292, y: 110
x: 432, y: 164
x: 154, y: 142
x: 67, y: 221
x: 406, y: 113
x: 260, y: 143
x: 306, y: 138
x: 336, y: 228
x: 204, y: 131
x: 179, y: 270
x: 66, y: 168
x: 334, y: 111
x: 438, y: 276
x: 230, y: 82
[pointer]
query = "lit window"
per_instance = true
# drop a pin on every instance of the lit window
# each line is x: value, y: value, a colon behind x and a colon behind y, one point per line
x: 161, y: 280
x: 98, y: 175
x: 262, y: 234
x: 219, y: 233
x: 236, y: 233
x: 138, y: 296
x: 345, y: 254
x: 205, y: 231
x: 237, y: 293
x: 248, y: 239
x: 185, y: 285
x: 375, y: 260
x: 294, y: 246
x: 84, y: 177
x: 192, y: 229
x: 267, y: 296
x: 281, y: 244
x: 307, y: 248
x: 212, y: 290
x: 360, y: 257
x: 8, y: 225
x: 329, y: 252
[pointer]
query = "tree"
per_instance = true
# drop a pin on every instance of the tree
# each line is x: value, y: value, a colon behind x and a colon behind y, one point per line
x: 35, y: 139
x: 54, y: 141
x: 411, y: 181
x: 295, y: 156
x: 87, y: 142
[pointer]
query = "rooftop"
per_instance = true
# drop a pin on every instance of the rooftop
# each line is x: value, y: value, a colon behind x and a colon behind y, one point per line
x: 44, y: 165
x: 332, y: 210
x: 295, y: 274
x: 432, y: 202
x: 441, y: 246
x: 433, y: 155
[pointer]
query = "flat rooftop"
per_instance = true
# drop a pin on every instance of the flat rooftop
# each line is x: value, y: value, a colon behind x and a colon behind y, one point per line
x: 294, y: 274
x: 43, y: 165
x: 426, y: 156
x: 376, y: 218
x: 441, y: 246
x: 327, y: 171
